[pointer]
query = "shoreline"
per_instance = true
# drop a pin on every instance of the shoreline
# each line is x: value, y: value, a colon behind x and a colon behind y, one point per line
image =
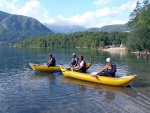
x: 115, y: 49
x: 122, y: 50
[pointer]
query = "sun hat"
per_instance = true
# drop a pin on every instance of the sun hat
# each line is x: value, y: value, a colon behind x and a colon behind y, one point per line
x: 108, y: 60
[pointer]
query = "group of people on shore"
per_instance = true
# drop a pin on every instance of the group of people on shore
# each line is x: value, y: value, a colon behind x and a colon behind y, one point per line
x: 108, y: 70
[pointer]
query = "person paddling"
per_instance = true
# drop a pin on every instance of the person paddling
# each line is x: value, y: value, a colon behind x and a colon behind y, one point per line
x: 108, y: 70
x: 82, y: 65
x: 52, y: 61
x: 74, y: 61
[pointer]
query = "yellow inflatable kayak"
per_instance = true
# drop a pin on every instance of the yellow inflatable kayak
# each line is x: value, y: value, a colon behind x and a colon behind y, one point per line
x: 45, y: 68
x: 100, y: 79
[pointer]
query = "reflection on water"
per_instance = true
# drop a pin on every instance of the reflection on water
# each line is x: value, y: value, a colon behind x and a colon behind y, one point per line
x: 122, y: 90
x: 111, y: 94
x: 23, y: 90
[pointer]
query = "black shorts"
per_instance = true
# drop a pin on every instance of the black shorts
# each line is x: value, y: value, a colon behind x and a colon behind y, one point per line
x: 107, y: 73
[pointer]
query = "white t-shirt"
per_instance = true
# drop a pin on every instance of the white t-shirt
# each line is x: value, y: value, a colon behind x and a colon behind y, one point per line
x: 81, y: 63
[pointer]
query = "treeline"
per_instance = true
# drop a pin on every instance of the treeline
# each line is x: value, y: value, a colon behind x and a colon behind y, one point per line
x: 79, y: 39
x: 139, y: 39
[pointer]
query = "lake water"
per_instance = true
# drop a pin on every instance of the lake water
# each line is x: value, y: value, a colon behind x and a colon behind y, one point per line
x: 23, y: 90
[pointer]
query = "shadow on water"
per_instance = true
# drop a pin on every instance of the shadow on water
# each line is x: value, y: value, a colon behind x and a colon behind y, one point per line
x: 111, y: 93
x: 100, y: 87
x: 38, y: 75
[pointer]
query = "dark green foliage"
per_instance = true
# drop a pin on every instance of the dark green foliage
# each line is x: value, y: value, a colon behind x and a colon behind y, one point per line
x: 80, y: 39
x: 139, y: 39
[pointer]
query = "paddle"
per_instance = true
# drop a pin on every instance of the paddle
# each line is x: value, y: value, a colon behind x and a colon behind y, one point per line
x: 69, y: 68
x: 57, y: 73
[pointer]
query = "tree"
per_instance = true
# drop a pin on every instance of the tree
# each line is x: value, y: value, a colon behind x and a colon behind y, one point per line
x: 134, y: 15
x: 139, y: 38
x: 102, y: 44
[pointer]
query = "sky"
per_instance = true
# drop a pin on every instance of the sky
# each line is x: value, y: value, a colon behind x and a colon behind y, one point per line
x: 86, y: 13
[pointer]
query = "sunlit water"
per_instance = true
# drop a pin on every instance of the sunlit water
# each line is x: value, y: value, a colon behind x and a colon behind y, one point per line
x: 23, y: 90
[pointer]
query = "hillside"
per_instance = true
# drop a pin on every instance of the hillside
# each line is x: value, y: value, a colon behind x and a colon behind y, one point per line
x: 74, y: 28
x: 14, y: 28
x: 110, y: 28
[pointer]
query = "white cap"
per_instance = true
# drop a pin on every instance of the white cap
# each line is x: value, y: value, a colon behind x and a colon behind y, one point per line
x: 108, y: 60
x: 73, y: 54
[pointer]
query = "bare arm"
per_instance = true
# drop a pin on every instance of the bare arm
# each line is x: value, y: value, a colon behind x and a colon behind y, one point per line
x: 79, y: 67
x: 104, y: 69
x: 50, y: 60
x: 76, y: 59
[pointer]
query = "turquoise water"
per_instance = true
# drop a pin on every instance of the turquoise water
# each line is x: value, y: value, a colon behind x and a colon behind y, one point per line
x: 23, y: 90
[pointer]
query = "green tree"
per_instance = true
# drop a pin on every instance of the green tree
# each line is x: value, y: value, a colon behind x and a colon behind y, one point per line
x: 133, y: 17
x: 102, y: 44
x: 139, y: 38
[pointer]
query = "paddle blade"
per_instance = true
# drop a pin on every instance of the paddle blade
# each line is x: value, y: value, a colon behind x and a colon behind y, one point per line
x: 57, y: 73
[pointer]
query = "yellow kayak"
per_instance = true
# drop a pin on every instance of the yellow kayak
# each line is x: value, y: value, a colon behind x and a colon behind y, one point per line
x: 45, y: 68
x: 100, y: 79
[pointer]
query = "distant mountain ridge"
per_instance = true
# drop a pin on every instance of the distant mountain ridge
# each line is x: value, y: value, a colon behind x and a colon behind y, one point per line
x: 110, y: 28
x: 15, y: 28
x: 65, y: 29
x: 73, y: 28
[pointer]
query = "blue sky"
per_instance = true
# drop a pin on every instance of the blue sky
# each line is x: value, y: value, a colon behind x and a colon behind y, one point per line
x: 87, y: 13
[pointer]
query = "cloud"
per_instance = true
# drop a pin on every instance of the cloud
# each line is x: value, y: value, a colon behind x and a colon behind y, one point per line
x: 104, y: 16
x: 3, y: 3
x: 81, y: 20
x: 101, y: 2
x: 109, y: 16
x: 32, y: 8
x: 99, y: 17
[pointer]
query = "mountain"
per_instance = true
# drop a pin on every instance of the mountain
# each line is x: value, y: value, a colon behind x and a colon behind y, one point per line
x: 15, y: 28
x: 119, y: 28
x: 65, y: 29
x: 110, y: 28
x: 73, y: 28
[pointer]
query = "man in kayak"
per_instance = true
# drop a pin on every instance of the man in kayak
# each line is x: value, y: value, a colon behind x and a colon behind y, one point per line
x: 74, y: 61
x: 108, y: 70
x: 52, y: 61
x: 82, y: 65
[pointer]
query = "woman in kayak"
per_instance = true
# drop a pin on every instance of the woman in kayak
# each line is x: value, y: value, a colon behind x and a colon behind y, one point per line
x: 74, y: 61
x: 52, y: 61
x: 108, y: 70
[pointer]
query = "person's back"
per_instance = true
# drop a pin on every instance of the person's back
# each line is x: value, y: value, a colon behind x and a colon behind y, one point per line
x: 108, y: 70
x: 114, y: 69
x: 74, y: 61
x: 52, y: 61
x: 109, y: 65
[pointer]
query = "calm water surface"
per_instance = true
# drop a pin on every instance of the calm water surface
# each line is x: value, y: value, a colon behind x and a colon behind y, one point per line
x: 23, y: 90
